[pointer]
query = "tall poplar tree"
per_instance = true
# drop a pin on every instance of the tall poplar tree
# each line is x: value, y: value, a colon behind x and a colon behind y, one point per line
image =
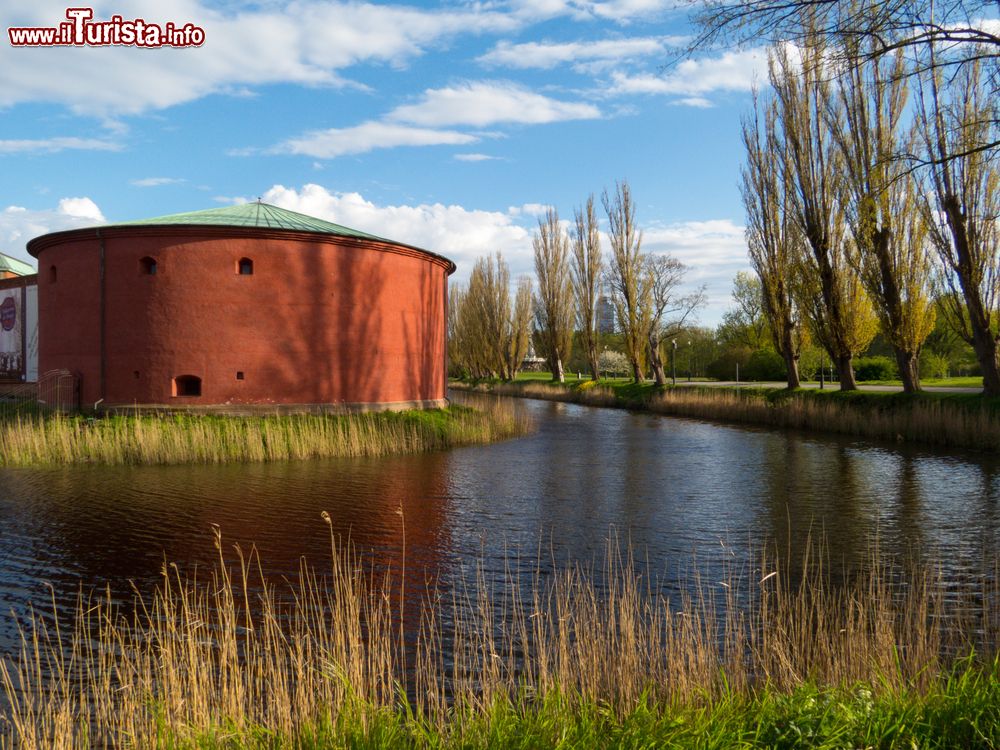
x: 587, y: 267
x: 630, y: 290
x: 840, y: 313
x: 554, y: 311
x: 870, y: 126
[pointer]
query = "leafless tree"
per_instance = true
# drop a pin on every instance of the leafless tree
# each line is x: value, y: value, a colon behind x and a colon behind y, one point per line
x: 964, y: 210
x: 875, y: 27
x: 669, y: 310
x: 869, y: 123
x: 630, y: 291
x: 865, y: 30
x: 774, y: 242
x: 587, y: 267
x: 832, y: 295
x: 554, y: 311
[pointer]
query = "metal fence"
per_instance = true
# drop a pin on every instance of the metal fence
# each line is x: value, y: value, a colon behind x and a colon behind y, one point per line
x: 56, y: 390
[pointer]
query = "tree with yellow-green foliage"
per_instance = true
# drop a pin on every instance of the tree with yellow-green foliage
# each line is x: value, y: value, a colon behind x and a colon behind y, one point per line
x: 889, y: 248
x: 773, y: 240
x: 830, y: 291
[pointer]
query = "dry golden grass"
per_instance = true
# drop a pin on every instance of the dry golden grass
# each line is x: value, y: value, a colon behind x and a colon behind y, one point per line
x: 955, y: 422
x: 30, y: 441
x: 231, y: 655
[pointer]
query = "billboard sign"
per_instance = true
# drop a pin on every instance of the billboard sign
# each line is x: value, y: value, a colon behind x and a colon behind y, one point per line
x: 11, y: 341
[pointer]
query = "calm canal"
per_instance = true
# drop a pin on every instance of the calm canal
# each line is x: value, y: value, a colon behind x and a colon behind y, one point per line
x: 679, y: 490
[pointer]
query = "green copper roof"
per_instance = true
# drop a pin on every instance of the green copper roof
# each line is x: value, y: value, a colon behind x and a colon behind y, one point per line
x: 252, y: 215
x: 15, y: 266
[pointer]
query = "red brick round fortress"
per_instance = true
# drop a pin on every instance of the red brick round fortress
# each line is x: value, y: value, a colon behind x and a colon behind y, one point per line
x: 242, y: 308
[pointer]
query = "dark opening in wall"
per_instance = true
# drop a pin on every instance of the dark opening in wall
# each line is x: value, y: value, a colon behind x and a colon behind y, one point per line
x: 148, y: 266
x: 239, y: 375
x: 187, y: 385
x: 245, y: 267
x: 52, y: 274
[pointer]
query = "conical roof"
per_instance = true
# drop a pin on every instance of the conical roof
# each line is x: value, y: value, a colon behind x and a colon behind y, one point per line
x: 252, y: 215
x: 257, y: 215
x: 15, y: 266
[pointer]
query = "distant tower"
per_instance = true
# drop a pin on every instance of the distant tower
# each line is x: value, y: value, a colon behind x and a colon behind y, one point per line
x: 605, y: 315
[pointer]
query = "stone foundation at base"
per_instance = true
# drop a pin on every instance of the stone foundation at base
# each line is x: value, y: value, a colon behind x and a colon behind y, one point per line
x: 271, y: 410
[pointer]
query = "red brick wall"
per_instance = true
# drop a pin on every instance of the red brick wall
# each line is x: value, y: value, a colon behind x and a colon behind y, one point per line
x: 319, y: 321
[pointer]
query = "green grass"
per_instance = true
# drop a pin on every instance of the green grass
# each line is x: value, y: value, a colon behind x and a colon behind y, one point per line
x: 961, y: 710
x: 34, y: 440
x: 972, y: 381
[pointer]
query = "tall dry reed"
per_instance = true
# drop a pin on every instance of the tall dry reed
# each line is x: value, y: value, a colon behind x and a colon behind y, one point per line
x: 235, y: 655
x: 29, y: 441
x: 938, y: 421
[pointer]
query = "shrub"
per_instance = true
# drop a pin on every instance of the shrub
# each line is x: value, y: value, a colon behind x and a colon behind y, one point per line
x: 875, y: 368
x: 724, y: 368
x: 764, y: 364
x: 933, y: 365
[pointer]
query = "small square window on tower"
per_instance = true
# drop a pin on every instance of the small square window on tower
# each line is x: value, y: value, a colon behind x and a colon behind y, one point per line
x: 239, y: 375
x: 187, y: 385
x: 245, y: 267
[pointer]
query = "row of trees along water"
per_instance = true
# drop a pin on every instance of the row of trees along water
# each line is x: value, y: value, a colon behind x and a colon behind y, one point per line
x: 872, y: 197
x: 491, y: 330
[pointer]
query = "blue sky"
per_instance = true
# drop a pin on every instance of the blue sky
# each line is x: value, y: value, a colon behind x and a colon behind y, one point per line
x: 448, y: 126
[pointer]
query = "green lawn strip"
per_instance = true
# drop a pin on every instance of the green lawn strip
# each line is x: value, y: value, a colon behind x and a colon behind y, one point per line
x: 958, y: 711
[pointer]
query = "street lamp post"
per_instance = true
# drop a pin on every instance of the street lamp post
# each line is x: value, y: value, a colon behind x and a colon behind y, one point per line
x: 673, y: 362
x: 690, y: 361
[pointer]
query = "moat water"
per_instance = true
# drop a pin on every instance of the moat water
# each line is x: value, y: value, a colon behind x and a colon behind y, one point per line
x: 681, y: 492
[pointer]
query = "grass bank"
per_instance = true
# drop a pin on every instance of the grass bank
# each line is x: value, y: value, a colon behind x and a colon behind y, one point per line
x: 172, y: 439
x: 961, y: 420
x: 572, y: 660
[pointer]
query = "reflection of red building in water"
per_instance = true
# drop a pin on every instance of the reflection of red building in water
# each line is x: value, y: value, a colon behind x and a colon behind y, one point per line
x: 243, y: 307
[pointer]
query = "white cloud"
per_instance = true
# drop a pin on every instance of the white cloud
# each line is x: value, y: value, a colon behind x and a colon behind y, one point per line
x: 624, y: 11
x: 157, y: 181
x: 424, y: 123
x: 80, y: 208
x: 19, y: 224
x: 588, y: 56
x: 713, y: 250
x: 368, y: 136
x: 305, y: 43
x: 529, y: 209
x: 484, y: 103
x: 475, y: 157
x: 733, y: 71
x: 461, y: 234
x: 52, y: 145
x: 619, y: 11
x: 695, y: 101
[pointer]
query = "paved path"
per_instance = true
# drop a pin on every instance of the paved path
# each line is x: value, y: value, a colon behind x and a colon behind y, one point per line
x: 782, y: 384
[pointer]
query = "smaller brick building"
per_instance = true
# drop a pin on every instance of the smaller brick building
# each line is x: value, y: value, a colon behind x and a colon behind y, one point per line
x: 243, y: 308
x: 18, y: 321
